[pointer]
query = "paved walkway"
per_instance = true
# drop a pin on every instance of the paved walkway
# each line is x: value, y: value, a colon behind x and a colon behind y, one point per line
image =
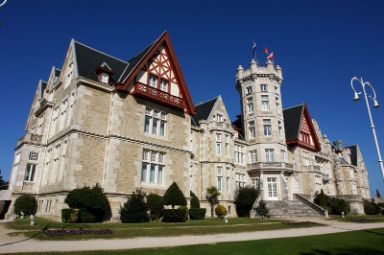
x: 9, y: 244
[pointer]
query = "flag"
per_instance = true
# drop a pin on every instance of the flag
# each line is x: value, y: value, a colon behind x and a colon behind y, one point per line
x: 266, y: 51
x: 270, y: 56
x: 254, y: 50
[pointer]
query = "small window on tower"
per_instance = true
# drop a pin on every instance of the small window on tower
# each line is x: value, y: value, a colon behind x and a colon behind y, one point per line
x: 104, y: 78
x: 249, y: 90
x: 263, y: 87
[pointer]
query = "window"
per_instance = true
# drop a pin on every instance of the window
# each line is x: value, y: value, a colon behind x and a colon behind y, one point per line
x: 17, y: 158
x: 104, y: 78
x: 272, y: 187
x: 227, y: 145
x: 249, y: 90
x: 263, y: 87
x: 240, y: 180
x: 33, y: 155
x: 277, y: 104
x: 152, y: 81
x: 282, y: 152
x: 253, y: 156
x: 280, y: 129
x: 30, y: 172
x: 152, y: 169
x: 269, y: 155
x: 252, y: 129
x: 239, y: 154
x: 265, y: 103
x: 267, y: 127
x: 164, y: 85
x: 218, y: 144
x: 155, y: 122
x: 255, y: 183
x: 219, y: 182
x: 250, y: 108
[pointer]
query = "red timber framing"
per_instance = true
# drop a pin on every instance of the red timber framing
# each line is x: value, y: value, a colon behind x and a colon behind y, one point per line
x: 306, y: 137
x: 164, y: 63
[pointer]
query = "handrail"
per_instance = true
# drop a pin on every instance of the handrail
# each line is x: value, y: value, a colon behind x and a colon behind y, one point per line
x: 314, y: 206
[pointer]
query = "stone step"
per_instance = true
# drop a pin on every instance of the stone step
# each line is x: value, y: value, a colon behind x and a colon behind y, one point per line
x: 290, y: 208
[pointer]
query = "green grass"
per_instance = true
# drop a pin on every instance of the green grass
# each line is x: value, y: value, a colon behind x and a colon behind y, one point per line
x: 369, y: 242
x: 360, y: 218
x: 120, y: 230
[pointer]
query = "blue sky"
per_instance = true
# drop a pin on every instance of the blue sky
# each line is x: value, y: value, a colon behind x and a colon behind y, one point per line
x: 319, y: 44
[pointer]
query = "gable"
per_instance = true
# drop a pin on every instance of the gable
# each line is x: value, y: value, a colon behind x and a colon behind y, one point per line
x: 304, y: 134
x: 157, y: 77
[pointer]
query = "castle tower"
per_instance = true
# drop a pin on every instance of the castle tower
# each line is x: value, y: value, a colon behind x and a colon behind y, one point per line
x: 263, y: 124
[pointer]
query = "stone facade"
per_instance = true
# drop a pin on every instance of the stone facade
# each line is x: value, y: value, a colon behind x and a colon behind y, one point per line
x: 132, y: 125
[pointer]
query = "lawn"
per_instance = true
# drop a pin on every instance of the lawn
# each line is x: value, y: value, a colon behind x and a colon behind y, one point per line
x: 360, y: 218
x: 368, y: 242
x: 120, y: 230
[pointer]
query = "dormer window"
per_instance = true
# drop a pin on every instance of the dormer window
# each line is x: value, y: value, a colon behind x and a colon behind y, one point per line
x: 164, y: 85
x: 104, y: 78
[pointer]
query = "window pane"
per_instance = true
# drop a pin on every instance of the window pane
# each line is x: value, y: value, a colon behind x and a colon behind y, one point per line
x: 154, y: 127
x: 162, y: 128
x: 152, y: 173
x: 160, y: 175
x: 32, y: 174
x: 153, y: 81
x: 146, y: 125
x: 27, y: 172
x: 144, y: 172
x: 164, y: 85
x: 153, y: 156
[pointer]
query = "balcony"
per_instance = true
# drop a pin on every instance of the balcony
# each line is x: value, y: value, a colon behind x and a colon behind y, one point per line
x: 30, y: 138
x: 157, y: 95
x: 280, y: 166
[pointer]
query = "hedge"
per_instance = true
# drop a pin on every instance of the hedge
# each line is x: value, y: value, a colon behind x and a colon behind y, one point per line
x: 175, y: 215
x: 155, y: 204
x: 66, y: 215
x: 197, y: 213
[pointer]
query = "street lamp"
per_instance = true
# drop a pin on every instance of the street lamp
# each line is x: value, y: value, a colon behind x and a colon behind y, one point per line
x: 375, y: 105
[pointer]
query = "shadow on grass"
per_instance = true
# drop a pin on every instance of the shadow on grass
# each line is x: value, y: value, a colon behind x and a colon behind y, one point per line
x: 22, y: 240
x: 356, y: 251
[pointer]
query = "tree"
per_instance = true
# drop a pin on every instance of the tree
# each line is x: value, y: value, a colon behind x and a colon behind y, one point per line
x: 3, y: 184
x: 244, y: 200
x: 195, y: 203
x: 174, y: 196
x: 321, y: 199
x: 26, y: 204
x: 212, y: 197
x: 155, y: 204
x: 262, y: 209
x: 92, y: 200
x: 135, y: 209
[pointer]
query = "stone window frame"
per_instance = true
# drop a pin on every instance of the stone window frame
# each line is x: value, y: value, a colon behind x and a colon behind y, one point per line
x: 267, y: 126
x: 265, y: 106
x: 154, y: 162
x: 153, y: 116
x: 30, y: 172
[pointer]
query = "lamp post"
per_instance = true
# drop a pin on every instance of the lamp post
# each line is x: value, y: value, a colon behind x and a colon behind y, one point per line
x: 375, y: 105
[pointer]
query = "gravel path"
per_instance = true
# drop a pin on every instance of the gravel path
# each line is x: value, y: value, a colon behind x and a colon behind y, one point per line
x: 10, y: 244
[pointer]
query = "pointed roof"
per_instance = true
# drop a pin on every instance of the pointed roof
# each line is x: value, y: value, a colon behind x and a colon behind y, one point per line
x: 203, y: 110
x: 89, y: 59
x: 137, y: 63
x: 293, y: 118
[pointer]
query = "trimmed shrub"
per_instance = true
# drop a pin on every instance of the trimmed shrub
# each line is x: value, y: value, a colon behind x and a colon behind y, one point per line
x: 174, y: 196
x: 86, y: 217
x: 212, y: 197
x: 26, y: 204
x: 381, y: 207
x: 155, y: 204
x: 175, y: 215
x: 92, y: 200
x: 262, y: 209
x: 337, y: 206
x: 244, y: 200
x: 195, y: 202
x: 371, y: 208
x: 197, y: 213
x: 321, y: 199
x: 135, y: 209
x: 220, y: 211
x: 66, y: 215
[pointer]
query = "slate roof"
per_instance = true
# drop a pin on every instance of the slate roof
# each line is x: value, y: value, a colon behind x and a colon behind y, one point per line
x: 292, y: 119
x: 203, y: 110
x: 88, y: 59
x: 132, y: 63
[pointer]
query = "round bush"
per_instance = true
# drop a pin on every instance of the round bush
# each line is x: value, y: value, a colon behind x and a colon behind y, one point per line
x: 135, y: 209
x: 155, y: 204
x: 26, y: 204
x: 220, y: 211
x: 91, y: 200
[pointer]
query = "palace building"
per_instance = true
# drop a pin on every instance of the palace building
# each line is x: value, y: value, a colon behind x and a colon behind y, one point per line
x: 132, y: 124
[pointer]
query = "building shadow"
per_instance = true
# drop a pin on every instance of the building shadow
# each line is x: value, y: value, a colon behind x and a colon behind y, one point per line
x: 356, y: 251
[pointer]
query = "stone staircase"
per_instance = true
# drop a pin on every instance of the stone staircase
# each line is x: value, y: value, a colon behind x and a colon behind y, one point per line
x: 296, y: 208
